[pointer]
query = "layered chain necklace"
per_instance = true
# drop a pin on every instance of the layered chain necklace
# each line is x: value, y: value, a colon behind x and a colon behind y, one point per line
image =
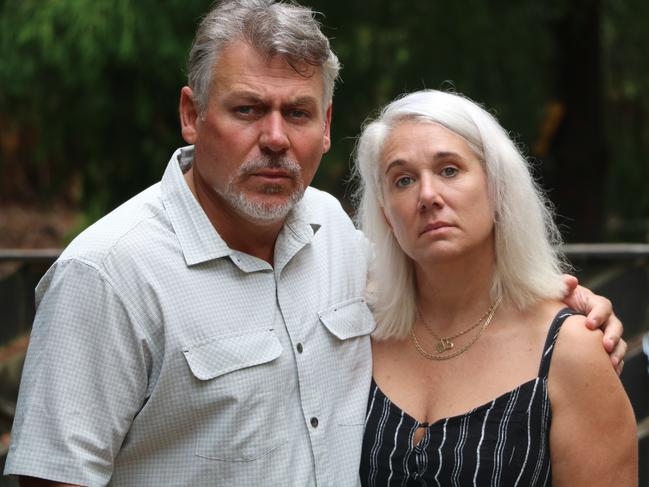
x: 444, y: 344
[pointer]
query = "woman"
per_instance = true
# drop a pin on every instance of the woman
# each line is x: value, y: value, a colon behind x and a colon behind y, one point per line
x: 481, y: 376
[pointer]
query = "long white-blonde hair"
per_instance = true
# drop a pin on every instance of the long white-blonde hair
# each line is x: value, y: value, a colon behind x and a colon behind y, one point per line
x: 528, y: 264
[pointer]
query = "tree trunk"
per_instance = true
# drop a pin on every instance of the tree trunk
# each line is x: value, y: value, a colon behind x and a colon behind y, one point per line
x: 577, y: 163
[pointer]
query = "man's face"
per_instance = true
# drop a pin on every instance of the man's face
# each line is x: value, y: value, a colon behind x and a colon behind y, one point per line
x: 261, y: 138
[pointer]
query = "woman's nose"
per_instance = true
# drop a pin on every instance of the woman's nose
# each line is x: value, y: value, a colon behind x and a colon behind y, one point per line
x: 429, y: 196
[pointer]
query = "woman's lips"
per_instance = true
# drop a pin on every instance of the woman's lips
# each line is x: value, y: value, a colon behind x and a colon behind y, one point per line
x: 434, y: 226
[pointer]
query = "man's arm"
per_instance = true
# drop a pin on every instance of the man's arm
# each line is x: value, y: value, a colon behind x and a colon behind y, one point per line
x: 599, y: 311
x: 85, y: 377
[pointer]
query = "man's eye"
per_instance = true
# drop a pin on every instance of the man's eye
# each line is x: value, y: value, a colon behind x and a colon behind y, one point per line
x: 449, y: 171
x: 298, y: 113
x: 403, y: 181
x: 243, y: 110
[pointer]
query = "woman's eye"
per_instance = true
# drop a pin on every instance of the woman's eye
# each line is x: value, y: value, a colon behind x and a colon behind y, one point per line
x: 449, y: 171
x: 403, y: 181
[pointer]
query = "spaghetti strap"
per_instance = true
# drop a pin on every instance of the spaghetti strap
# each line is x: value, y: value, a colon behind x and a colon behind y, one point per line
x: 551, y: 339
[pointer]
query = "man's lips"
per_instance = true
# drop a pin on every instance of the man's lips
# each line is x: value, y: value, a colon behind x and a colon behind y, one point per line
x: 431, y: 227
x: 275, y: 174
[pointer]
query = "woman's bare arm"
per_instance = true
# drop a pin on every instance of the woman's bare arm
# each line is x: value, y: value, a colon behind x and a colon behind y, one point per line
x: 593, y: 434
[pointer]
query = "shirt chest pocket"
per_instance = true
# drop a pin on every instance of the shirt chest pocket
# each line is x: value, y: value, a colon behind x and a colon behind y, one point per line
x: 238, y: 399
x: 348, y: 319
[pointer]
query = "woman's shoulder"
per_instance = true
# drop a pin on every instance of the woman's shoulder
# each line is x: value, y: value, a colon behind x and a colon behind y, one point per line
x: 578, y: 341
x: 578, y: 350
x: 574, y: 338
x: 539, y: 317
x: 546, y: 313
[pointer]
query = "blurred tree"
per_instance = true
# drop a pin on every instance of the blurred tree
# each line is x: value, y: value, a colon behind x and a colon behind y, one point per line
x: 495, y: 52
x: 577, y: 155
x: 625, y: 40
x: 89, y: 95
x: 88, y: 105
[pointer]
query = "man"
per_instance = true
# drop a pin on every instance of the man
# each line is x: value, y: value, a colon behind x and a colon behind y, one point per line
x: 212, y: 330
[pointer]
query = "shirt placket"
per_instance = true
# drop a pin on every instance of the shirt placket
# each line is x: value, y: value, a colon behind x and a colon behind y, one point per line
x: 292, y: 310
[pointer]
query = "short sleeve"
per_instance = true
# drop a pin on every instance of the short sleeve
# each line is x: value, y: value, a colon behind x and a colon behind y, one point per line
x: 85, y: 378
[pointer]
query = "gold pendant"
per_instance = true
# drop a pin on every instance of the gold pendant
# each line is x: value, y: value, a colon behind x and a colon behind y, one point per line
x: 444, y: 344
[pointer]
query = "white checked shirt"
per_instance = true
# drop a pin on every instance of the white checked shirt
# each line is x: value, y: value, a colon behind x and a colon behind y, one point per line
x: 161, y: 357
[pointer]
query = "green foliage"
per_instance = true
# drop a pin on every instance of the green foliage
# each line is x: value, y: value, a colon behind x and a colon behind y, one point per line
x: 88, y: 105
x: 91, y: 89
x: 496, y: 52
x: 625, y: 42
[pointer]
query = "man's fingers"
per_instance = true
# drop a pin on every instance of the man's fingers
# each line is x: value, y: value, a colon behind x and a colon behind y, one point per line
x: 602, y: 309
x: 571, y: 283
x: 617, y: 356
x: 619, y: 367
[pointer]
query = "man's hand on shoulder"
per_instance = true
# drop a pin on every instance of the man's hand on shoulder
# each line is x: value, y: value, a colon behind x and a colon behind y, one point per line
x: 599, y: 311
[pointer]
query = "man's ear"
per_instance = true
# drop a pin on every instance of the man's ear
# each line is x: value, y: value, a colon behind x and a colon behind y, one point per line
x: 188, y: 115
x: 326, y: 141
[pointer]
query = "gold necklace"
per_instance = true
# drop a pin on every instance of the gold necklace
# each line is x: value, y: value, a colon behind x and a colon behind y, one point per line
x: 485, y: 321
x: 446, y: 343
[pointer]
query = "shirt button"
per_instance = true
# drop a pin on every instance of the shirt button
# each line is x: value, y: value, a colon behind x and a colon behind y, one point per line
x: 314, y: 422
x: 300, y: 348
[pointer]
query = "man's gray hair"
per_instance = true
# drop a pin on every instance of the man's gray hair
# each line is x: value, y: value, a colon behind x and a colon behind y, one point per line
x: 273, y: 28
x: 528, y: 265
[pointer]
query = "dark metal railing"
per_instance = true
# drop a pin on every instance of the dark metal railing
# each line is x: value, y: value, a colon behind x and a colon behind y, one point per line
x: 576, y: 250
x: 606, y: 250
x: 29, y: 255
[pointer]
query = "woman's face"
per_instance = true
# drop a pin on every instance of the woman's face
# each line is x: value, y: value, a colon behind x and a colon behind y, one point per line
x: 435, y: 193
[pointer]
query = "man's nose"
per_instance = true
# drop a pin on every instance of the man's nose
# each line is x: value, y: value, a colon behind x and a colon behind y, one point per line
x: 273, y: 137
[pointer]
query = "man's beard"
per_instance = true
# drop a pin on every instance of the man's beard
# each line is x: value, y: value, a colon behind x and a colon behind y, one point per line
x: 259, y: 210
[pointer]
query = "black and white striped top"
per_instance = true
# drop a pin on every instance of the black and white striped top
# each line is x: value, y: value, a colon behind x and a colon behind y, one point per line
x: 502, y: 443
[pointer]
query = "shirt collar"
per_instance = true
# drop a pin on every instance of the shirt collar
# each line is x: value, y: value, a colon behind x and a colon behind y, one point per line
x: 199, y: 240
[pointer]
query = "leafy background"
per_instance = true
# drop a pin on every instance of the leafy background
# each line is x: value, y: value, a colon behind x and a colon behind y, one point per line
x: 89, y: 93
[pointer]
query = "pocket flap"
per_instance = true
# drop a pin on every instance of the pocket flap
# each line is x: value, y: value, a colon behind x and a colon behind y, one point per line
x: 348, y: 319
x: 221, y: 355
